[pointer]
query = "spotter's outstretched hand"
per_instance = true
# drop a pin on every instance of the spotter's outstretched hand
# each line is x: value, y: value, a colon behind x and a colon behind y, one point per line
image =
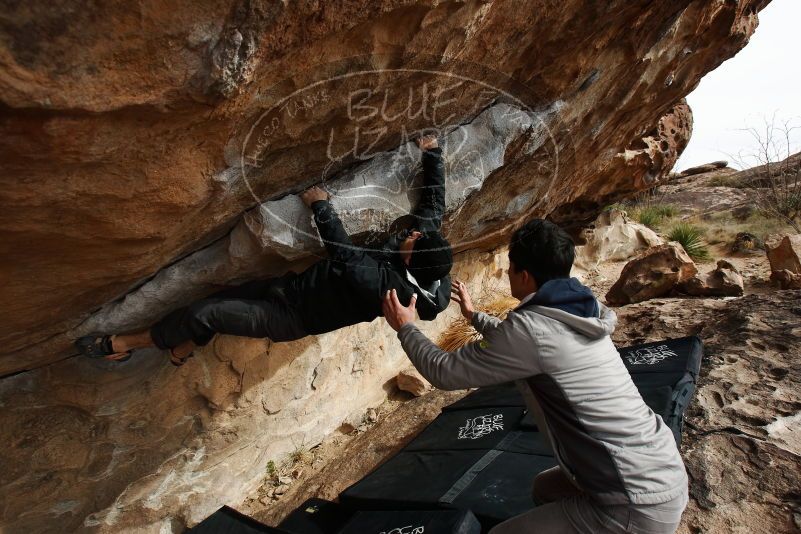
x: 396, y: 313
x: 460, y: 295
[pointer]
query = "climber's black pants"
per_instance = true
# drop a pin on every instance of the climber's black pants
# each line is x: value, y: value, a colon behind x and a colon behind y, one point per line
x: 250, y: 310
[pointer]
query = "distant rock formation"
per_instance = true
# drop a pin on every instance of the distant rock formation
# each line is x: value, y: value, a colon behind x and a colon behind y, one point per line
x: 701, y: 169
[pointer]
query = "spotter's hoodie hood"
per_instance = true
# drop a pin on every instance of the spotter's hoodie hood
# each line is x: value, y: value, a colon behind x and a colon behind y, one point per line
x: 569, y: 301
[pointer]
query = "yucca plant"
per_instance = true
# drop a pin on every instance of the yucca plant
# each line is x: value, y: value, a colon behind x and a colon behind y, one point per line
x: 691, y: 239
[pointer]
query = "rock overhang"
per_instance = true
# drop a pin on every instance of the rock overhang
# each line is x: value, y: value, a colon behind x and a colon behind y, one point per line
x: 155, y: 178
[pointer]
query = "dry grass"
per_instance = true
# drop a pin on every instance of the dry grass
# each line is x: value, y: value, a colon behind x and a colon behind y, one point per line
x: 460, y: 332
x: 654, y: 215
x: 721, y: 228
x: 718, y: 228
x: 301, y: 455
x: 727, y: 180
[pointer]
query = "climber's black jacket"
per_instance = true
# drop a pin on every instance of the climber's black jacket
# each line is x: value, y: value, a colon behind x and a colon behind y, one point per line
x: 345, y: 289
x: 348, y: 287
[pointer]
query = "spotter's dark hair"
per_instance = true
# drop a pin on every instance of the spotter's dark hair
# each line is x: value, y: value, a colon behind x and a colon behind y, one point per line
x: 542, y: 249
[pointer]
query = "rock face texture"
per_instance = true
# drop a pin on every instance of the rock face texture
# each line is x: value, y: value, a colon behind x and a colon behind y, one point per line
x: 149, y: 154
x: 612, y: 237
x: 96, y: 446
x: 742, y: 437
x: 369, y: 198
x: 786, y: 279
x: 784, y: 253
x: 134, y: 136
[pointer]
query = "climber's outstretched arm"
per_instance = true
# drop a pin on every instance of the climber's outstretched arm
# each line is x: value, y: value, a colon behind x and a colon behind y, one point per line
x: 336, y: 239
x: 431, y: 207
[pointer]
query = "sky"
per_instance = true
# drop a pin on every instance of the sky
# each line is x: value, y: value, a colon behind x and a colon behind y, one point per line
x: 762, y: 81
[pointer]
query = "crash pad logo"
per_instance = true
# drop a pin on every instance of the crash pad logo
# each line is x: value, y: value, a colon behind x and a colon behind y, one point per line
x: 650, y: 355
x: 480, y: 426
x: 409, y: 529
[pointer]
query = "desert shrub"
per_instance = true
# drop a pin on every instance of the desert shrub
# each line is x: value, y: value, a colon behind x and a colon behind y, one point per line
x: 723, y: 227
x: 790, y: 205
x: 616, y: 206
x: 652, y: 215
x: 691, y: 239
x: 762, y: 225
x: 271, y: 469
x: 301, y: 455
x: 775, y: 181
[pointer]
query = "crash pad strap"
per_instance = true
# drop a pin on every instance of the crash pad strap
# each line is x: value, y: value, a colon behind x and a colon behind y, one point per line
x: 466, y: 479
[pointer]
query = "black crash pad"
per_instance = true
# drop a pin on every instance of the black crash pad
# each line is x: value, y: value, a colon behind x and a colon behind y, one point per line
x: 413, y: 522
x: 669, y: 359
x: 489, y: 397
x: 665, y: 373
x: 316, y: 516
x: 494, y: 484
x: 228, y: 521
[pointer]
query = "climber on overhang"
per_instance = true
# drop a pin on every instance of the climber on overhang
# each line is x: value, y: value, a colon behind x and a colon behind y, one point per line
x: 342, y: 290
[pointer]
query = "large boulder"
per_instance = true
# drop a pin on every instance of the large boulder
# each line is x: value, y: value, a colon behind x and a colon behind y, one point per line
x: 786, y: 279
x: 723, y: 281
x: 653, y: 273
x: 784, y: 252
x: 613, y: 237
